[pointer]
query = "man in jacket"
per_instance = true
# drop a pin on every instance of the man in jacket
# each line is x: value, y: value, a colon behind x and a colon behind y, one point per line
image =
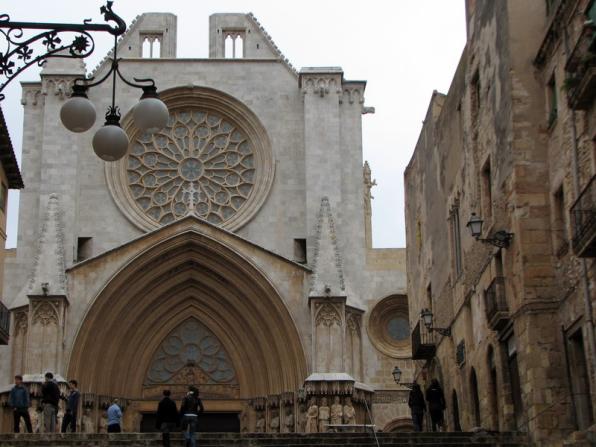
x: 114, y: 417
x: 189, y: 410
x: 167, y: 417
x: 417, y: 406
x: 436, y: 404
x: 50, y: 397
x: 19, y: 401
x: 72, y: 407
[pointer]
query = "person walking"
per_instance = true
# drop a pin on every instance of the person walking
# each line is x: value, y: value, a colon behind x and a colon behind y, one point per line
x: 72, y: 407
x: 417, y: 406
x: 114, y: 417
x: 436, y: 404
x: 190, y: 409
x: 167, y: 417
x: 50, y: 398
x: 19, y: 401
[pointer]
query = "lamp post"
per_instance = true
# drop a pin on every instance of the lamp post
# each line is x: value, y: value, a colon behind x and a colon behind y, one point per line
x: 78, y: 114
x: 397, y: 378
x: 427, y: 318
x: 500, y: 239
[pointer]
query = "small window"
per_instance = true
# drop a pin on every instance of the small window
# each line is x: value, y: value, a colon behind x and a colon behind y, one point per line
x: 456, y: 240
x: 84, y: 248
x: 233, y: 44
x: 552, y: 100
x: 559, y: 221
x: 3, y: 197
x: 151, y: 46
x: 487, y: 193
x: 300, y: 250
x: 475, y: 98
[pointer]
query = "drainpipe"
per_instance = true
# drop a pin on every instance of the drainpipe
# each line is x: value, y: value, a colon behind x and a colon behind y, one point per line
x: 585, y: 281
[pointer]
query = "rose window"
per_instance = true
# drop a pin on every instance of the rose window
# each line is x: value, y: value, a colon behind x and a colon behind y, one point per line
x: 201, y: 164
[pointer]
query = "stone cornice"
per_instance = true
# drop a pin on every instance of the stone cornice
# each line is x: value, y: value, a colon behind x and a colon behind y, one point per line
x: 321, y: 80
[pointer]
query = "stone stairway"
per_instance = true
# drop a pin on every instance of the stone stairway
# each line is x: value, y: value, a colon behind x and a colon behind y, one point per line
x: 267, y: 440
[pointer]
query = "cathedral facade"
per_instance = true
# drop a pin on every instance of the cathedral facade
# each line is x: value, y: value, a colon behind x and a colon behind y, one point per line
x: 230, y: 250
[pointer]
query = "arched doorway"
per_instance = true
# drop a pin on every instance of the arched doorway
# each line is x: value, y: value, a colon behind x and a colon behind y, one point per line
x: 399, y: 425
x: 455, y: 411
x: 189, y: 278
x: 493, y: 388
x: 474, y: 398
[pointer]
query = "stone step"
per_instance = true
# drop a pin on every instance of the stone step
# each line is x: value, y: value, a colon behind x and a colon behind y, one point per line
x: 265, y: 440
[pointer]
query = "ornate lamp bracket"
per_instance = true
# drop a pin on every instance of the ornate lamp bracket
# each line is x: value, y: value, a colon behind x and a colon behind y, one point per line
x: 19, y: 52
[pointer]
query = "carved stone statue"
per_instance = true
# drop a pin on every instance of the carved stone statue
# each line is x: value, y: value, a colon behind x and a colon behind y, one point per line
x: 302, y: 418
x: 260, y: 426
x: 323, y: 416
x: 274, y: 424
x: 35, y: 419
x: 312, y: 416
x: 336, y: 411
x: 103, y: 423
x: 289, y: 420
x: 87, y: 422
x: 349, y: 412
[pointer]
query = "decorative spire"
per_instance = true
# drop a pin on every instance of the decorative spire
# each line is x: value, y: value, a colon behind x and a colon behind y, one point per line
x: 328, y: 276
x: 48, y: 276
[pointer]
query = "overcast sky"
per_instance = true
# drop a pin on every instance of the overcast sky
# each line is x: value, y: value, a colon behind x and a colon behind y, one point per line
x: 403, y: 48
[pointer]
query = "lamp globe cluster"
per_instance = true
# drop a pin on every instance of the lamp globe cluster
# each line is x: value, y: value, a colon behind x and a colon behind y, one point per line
x: 110, y: 143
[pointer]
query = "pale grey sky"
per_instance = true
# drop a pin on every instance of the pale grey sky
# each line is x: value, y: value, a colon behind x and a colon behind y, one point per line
x: 403, y: 48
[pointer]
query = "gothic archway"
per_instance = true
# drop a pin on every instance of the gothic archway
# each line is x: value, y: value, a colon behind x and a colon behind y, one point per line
x: 188, y: 275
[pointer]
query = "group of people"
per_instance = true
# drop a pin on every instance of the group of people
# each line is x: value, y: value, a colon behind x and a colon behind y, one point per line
x: 168, y: 416
x: 436, y: 405
x: 20, y: 402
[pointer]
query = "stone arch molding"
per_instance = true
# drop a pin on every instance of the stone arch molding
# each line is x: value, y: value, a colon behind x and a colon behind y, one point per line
x: 213, y: 160
x: 189, y: 276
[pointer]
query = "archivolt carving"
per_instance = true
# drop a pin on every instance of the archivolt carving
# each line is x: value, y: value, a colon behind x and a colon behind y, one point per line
x: 212, y: 160
x: 327, y: 315
x: 46, y: 313
x: 191, y: 346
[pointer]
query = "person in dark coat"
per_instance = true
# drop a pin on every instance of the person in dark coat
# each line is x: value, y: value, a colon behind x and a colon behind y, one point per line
x: 167, y: 417
x: 190, y: 409
x: 436, y: 404
x: 72, y: 407
x: 50, y: 398
x: 19, y: 401
x: 417, y: 406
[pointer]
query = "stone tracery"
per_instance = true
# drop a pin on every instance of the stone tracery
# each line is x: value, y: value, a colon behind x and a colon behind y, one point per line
x: 199, y: 164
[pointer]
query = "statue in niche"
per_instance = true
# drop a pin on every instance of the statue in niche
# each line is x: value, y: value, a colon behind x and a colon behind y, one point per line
x: 289, y: 420
x: 302, y: 418
x: 87, y: 422
x: 35, y: 417
x: 260, y: 426
x: 323, y: 416
x: 312, y: 416
x: 336, y: 411
x: 103, y: 423
x: 274, y: 424
x: 349, y: 412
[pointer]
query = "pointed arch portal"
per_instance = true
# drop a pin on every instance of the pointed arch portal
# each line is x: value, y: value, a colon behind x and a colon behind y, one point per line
x: 194, y: 283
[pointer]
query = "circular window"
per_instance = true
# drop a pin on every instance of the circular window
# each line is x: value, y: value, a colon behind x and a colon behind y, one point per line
x: 212, y: 160
x: 389, y: 326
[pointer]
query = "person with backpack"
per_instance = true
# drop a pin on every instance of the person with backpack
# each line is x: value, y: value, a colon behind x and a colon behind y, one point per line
x: 190, y: 409
x: 436, y: 404
x: 417, y: 406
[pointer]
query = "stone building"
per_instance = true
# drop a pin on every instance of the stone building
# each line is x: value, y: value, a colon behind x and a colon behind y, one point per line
x: 231, y: 250
x: 513, y: 142
x: 10, y: 178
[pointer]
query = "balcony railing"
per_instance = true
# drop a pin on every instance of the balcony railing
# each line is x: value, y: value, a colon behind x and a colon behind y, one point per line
x: 423, y: 343
x: 581, y: 67
x: 4, y: 324
x: 495, y: 301
x: 583, y: 221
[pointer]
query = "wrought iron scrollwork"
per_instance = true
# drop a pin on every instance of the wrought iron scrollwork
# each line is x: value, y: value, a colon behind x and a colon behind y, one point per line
x: 20, y: 53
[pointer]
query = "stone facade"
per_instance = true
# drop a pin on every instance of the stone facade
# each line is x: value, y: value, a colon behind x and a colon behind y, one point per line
x: 232, y: 249
x: 511, y: 143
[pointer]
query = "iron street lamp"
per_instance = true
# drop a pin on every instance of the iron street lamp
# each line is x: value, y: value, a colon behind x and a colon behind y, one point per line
x: 397, y: 377
x: 78, y: 114
x: 427, y: 318
x: 500, y: 239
